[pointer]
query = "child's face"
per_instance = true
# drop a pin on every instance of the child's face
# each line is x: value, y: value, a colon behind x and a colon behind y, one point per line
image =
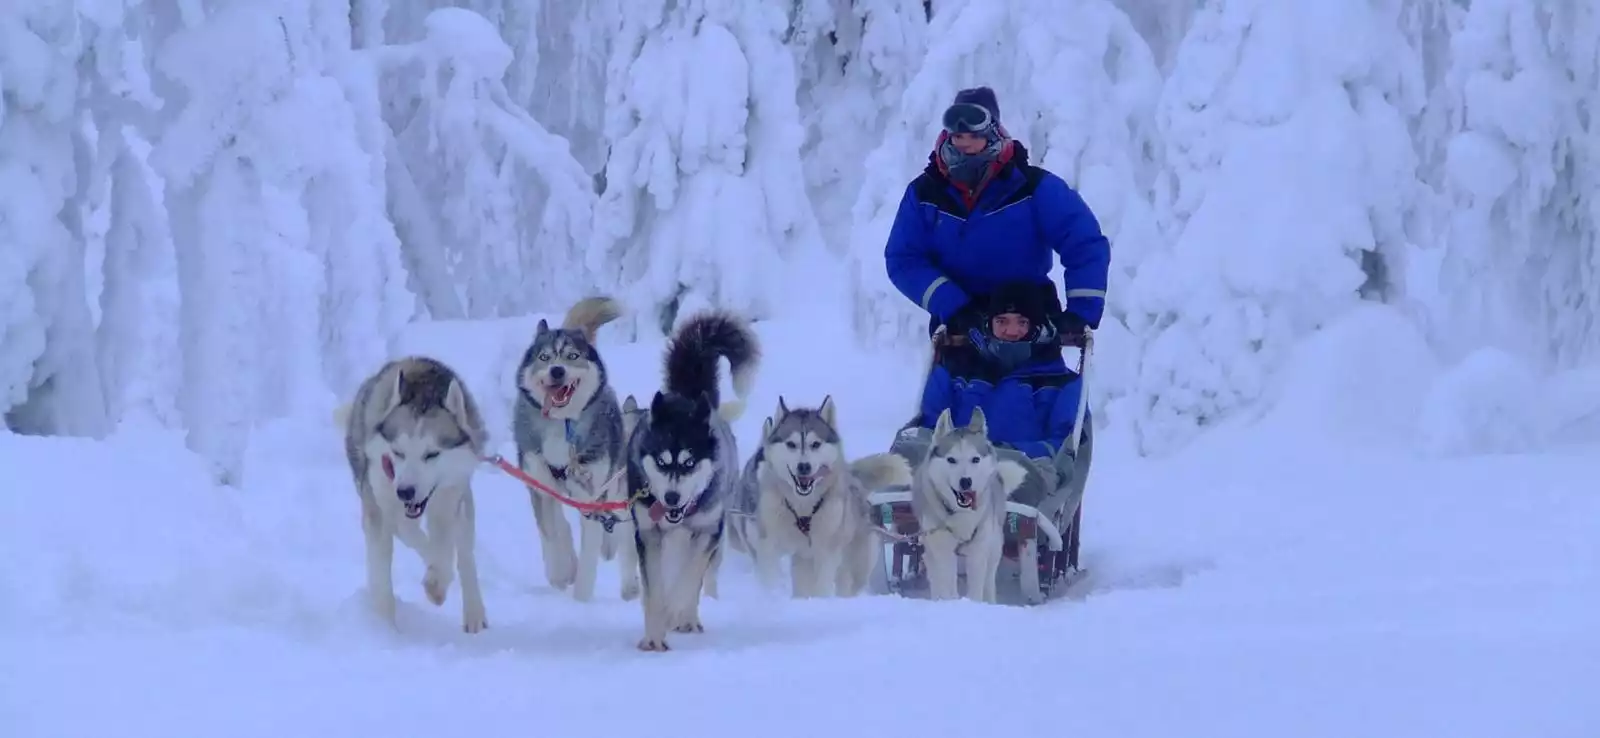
x: 1009, y: 326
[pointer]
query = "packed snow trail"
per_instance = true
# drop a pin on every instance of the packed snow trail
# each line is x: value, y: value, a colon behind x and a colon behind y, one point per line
x: 1258, y: 584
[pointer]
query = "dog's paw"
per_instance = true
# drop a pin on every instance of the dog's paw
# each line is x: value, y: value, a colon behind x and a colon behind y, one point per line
x: 474, y: 621
x: 630, y: 591
x: 436, y: 585
x: 383, y: 606
x: 561, y: 571
x: 651, y: 644
x: 688, y: 625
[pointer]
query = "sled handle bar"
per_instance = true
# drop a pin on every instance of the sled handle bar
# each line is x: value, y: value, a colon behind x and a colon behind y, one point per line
x: 1052, y: 534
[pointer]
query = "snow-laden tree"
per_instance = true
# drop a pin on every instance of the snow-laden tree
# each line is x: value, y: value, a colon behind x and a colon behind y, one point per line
x: 704, y: 195
x: 141, y: 305
x: 1521, y: 271
x: 1075, y: 86
x: 49, y: 381
x: 494, y: 210
x: 855, y: 57
x: 139, y: 296
x: 1289, y: 178
x: 35, y: 173
x: 289, y: 269
x: 1162, y: 23
x: 557, y: 70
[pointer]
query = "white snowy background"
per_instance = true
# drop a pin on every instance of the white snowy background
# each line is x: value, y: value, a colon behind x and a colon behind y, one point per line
x: 1347, y: 390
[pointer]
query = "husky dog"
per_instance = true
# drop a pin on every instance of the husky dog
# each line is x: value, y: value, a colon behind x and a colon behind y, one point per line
x: 413, y: 436
x: 811, y: 505
x: 631, y: 414
x: 569, y: 432
x: 959, y: 497
x: 683, y: 470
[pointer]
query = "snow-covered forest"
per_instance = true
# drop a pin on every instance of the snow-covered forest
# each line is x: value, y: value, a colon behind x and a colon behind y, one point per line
x: 214, y: 213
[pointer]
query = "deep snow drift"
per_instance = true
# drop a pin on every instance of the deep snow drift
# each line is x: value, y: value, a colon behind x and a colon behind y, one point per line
x: 1303, y: 576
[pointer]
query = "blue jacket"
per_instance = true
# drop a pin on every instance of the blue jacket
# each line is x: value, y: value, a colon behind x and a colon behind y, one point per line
x: 940, y: 253
x: 1032, y: 409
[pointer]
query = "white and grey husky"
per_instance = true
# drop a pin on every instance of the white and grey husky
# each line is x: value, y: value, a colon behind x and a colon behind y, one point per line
x: 959, y: 496
x: 569, y: 434
x: 683, y: 469
x: 810, y: 504
x: 413, y: 437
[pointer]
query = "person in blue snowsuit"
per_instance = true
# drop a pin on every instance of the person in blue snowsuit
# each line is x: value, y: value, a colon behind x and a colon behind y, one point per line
x: 973, y: 243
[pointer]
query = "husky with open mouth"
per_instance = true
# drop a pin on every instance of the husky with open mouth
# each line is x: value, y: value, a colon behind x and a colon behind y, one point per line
x: 802, y: 499
x: 569, y: 433
x: 683, y: 467
x: 959, y: 495
x: 413, y: 436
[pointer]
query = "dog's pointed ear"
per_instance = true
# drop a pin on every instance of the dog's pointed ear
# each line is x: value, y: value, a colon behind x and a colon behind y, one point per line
x: 657, y: 404
x: 387, y: 396
x: 827, y: 411
x: 544, y: 327
x: 455, y: 401
x: 766, y: 428
x: 943, y: 425
x: 978, y: 423
x: 783, y: 408
x: 630, y: 405
x: 702, y: 406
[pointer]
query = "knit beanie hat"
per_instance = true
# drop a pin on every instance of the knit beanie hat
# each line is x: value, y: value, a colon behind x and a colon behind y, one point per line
x: 982, y: 97
x: 1023, y: 298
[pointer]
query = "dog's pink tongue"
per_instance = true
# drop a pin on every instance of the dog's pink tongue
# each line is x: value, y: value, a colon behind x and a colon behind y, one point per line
x: 658, y: 511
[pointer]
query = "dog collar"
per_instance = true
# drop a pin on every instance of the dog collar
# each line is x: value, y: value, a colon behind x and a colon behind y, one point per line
x: 658, y: 510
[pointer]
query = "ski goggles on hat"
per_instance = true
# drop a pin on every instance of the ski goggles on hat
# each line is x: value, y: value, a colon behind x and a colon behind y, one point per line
x: 967, y: 118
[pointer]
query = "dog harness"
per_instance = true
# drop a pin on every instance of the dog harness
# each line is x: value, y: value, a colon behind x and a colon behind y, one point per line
x: 803, y: 522
x: 950, y: 512
x: 560, y: 472
x: 607, y: 519
x: 658, y: 510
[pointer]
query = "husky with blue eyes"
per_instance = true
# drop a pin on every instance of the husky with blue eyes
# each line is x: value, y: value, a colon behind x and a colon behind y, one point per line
x: 682, y: 470
x: 569, y: 431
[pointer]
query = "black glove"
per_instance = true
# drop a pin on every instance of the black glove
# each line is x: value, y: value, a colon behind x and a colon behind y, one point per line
x: 967, y: 318
x: 1070, y: 326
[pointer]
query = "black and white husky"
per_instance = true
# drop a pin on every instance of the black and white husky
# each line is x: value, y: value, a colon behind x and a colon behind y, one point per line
x: 683, y: 468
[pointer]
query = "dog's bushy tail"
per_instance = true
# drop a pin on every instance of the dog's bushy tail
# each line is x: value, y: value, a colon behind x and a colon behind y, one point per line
x: 692, y: 354
x: 1012, y: 476
x: 882, y: 470
x: 588, y: 314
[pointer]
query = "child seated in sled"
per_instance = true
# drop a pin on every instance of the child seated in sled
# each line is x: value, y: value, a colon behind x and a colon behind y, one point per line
x: 1012, y: 367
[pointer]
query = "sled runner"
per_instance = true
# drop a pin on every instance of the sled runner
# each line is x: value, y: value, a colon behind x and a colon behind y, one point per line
x: 1043, y: 549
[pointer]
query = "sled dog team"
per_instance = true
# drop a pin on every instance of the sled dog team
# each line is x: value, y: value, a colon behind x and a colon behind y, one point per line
x: 414, y: 437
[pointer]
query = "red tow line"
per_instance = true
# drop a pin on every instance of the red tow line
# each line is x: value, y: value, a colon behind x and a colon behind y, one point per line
x: 579, y: 505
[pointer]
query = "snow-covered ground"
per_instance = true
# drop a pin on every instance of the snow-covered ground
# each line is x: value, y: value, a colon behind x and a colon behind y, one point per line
x: 1301, y: 576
